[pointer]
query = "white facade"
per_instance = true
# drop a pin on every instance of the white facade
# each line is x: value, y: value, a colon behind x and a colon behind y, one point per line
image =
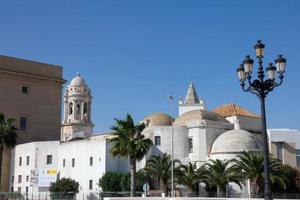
x: 83, y: 160
x: 28, y: 160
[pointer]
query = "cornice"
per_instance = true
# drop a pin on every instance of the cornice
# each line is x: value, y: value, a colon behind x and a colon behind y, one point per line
x: 32, y: 77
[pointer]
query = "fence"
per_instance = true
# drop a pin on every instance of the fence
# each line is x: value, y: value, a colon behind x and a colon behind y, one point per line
x: 102, y: 195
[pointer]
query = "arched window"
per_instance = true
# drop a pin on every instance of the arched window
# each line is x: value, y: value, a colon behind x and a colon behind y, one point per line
x: 70, y: 108
x: 78, y: 109
x: 85, y: 109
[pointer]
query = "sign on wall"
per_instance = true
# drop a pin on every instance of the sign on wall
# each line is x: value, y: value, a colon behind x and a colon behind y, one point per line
x: 43, y: 177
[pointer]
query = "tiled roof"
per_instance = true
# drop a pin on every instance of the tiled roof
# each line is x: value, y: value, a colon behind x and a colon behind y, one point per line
x: 234, y: 110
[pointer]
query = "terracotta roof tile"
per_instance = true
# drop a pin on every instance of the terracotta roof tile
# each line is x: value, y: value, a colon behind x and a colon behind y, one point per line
x: 232, y: 110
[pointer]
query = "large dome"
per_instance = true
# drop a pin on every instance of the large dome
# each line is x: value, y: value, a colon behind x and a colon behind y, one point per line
x: 235, y: 141
x: 157, y: 119
x: 197, y: 115
x: 77, y: 81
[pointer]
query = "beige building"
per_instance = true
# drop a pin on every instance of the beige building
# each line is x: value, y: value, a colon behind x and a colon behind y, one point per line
x: 31, y: 93
x: 285, y: 152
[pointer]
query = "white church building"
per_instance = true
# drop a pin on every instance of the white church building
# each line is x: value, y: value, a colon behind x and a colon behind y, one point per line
x: 199, y: 135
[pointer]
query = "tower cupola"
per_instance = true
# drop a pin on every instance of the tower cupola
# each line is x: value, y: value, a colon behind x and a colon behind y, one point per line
x: 77, y: 110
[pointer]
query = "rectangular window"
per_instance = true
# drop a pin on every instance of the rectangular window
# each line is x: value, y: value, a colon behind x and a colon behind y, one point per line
x: 64, y: 162
x: 23, y: 123
x: 27, y: 160
x: 49, y: 159
x: 12, y: 189
x: 157, y: 140
x: 27, y: 178
x: 73, y: 162
x: 298, y: 161
x: 279, y: 151
x: 12, y: 179
x: 26, y: 189
x: 190, y: 145
x: 20, y: 161
x: 298, y: 157
x: 91, y: 161
x: 25, y: 90
x: 20, y: 179
x: 91, y: 184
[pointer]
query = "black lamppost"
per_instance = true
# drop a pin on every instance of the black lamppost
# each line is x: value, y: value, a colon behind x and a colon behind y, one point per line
x: 261, y: 87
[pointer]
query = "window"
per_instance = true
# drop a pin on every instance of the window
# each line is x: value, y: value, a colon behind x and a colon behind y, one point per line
x: 298, y: 157
x: 12, y: 189
x: 157, y: 140
x: 78, y: 109
x: 91, y: 184
x: 23, y: 123
x: 12, y: 179
x: 19, y: 189
x: 190, y: 145
x: 73, y: 162
x: 279, y: 151
x: 20, y: 179
x: 64, y: 162
x: 25, y: 90
x: 27, y: 160
x: 27, y: 178
x: 85, y: 108
x: 20, y: 161
x: 26, y: 189
x: 49, y: 159
x: 70, y: 108
x: 91, y: 161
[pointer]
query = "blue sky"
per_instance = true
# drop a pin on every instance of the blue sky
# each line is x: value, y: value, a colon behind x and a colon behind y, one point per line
x: 133, y: 53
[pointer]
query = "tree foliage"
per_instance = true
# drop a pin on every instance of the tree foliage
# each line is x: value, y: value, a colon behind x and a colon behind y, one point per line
x: 190, y: 176
x: 219, y: 173
x: 160, y: 168
x: 8, y: 135
x: 64, y: 187
x: 111, y: 182
x: 129, y: 142
x: 115, y: 182
x: 251, y: 167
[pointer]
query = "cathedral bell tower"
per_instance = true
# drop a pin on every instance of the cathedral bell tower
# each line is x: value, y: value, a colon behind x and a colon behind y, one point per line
x: 77, y: 111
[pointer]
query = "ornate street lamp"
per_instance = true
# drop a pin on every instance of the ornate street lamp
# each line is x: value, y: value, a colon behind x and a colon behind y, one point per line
x: 261, y: 87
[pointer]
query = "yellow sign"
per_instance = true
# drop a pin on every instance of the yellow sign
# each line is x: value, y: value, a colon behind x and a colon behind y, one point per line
x: 52, y: 171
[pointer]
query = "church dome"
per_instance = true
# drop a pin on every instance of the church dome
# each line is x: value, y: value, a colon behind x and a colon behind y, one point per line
x: 235, y: 141
x: 197, y: 115
x: 157, y: 119
x: 77, y: 81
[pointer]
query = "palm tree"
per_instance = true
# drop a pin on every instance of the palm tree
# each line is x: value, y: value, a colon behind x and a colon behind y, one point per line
x: 130, y: 143
x: 160, y: 167
x: 190, y: 176
x: 8, y: 136
x: 252, y: 168
x: 219, y: 173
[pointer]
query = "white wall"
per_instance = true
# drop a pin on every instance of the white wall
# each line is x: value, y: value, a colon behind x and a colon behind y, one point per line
x: 286, y: 135
x: 247, y: 123
x: 37, y: 152
x: 81, y: 151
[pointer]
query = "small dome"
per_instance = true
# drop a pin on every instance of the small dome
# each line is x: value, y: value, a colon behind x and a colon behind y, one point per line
x: 158, y: 119
x: 197, y: 115
x: 77, y: 81
x: 235, y: 141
